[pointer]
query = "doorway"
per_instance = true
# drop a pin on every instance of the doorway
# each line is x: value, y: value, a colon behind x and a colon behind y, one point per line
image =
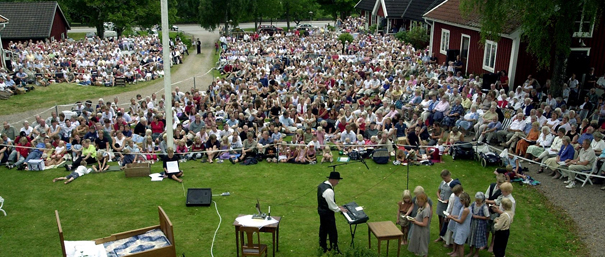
x: 464, y: 46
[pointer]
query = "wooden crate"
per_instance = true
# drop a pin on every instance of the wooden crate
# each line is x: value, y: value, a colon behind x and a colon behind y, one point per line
x: 137, y: 170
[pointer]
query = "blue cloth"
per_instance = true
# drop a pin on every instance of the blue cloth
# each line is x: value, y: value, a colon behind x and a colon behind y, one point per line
x: 566, y: 153
x: 497, y: 125
x: 463, y: 229
x: 584, y: 137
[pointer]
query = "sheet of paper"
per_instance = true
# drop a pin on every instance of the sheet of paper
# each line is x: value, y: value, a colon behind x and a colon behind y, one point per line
x: 156, y: 179
x: 359, y: 208
x: 172, y: 167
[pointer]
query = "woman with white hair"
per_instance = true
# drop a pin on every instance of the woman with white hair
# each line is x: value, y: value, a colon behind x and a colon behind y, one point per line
x: 542, y: 143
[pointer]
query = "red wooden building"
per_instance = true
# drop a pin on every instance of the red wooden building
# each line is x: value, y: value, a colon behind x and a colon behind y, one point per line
x: 452, y: 32
x: 33, y: 20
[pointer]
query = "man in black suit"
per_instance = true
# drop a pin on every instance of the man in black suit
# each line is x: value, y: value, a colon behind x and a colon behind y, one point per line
x: 326, y: 207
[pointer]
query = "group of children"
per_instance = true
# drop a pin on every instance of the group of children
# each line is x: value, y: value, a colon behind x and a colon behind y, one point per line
x: 464, y: 222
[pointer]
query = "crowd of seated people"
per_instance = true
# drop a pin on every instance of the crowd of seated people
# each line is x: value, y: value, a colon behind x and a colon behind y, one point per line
x: 375, y: 92
x: 87, y: 62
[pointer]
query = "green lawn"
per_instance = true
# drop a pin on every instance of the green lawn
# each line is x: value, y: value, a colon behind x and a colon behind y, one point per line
x: 77, y: 35
x: 58, y: 94
x: 64, y: 93
x: 98, y: 205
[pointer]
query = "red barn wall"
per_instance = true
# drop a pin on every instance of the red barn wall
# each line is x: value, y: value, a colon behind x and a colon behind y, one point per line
x: 597, y: 47
x: 475, y: 56
x: 59, y: 27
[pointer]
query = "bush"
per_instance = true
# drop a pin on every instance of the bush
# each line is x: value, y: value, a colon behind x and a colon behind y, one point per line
x: 331, y: 28
x: 418, y: 36
x: 372, y: 29
x: 345, y: 37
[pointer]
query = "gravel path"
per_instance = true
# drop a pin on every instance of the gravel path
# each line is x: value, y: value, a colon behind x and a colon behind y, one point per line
x: 584, y: 205
x: 194, y: 65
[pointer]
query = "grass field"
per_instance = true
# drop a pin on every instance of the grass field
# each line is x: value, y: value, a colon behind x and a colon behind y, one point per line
x: 64, y: 93
x: 77, y: 35
x: 97, y: 205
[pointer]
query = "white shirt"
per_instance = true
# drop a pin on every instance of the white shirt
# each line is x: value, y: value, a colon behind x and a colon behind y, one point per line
x: 512, y: 199
x: 82, y: 170
x: 329, y: 196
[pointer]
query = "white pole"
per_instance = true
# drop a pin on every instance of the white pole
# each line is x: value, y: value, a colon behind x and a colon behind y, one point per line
x: 167, y: 82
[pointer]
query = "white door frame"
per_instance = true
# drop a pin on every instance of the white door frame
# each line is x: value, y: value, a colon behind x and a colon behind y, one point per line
x: 468, y: 52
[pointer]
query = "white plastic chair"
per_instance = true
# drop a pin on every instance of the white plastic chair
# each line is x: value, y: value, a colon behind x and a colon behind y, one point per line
x: 2, y: 204
x: 585, y: 176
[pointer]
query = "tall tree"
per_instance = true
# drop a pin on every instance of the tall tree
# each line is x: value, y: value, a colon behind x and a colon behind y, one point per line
x: 298, y: 10
x: 547, y: 27
x: 214, y: 12
x: 123, y: 13
x: 338, y: 8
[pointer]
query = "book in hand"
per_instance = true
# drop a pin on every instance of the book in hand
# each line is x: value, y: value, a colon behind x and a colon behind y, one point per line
x: 409, y: 218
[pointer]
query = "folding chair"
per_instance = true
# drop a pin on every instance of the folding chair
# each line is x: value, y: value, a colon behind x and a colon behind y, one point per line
x: 586, y: 174
x: 2, y: 204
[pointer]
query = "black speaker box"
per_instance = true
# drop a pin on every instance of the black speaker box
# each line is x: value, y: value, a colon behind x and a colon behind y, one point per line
x: 199, y: 197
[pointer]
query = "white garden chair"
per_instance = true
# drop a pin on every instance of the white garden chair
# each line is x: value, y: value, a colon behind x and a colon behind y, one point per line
x: 2, y: 204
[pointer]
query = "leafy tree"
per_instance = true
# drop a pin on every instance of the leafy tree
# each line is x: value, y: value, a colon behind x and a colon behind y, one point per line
x: 214, y: 12
x: 123, y: 13
x: 298, y: 10
x: 338, y: 8
x: 547, y: 27
x: 418, y: 36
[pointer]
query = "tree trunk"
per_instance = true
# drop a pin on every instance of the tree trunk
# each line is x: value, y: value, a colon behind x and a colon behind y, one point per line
x: 559, y: 67
x: 100, y: 30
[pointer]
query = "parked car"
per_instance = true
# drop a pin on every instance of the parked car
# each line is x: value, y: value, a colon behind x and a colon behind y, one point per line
x: 174, y: 28
x: 271, y: 29
x: 305, y: 26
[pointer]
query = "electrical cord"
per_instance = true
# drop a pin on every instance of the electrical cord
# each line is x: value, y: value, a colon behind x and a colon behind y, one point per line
x: 216, y: 231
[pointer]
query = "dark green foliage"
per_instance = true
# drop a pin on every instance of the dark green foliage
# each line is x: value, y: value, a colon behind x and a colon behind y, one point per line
x: 418, y: 36
x: 547, y: 26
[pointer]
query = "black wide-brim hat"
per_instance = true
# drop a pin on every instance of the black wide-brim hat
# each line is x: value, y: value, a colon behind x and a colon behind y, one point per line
x: 334, y: 175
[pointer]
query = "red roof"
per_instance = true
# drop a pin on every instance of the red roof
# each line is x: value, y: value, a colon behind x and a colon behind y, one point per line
x: 449, y: 11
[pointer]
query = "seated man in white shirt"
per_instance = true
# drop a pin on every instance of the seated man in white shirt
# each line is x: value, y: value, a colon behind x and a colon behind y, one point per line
x: 514, y: 131
x: 287, y: 123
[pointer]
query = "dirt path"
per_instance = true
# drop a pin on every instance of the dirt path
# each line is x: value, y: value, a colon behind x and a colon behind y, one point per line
x: 194, y: 65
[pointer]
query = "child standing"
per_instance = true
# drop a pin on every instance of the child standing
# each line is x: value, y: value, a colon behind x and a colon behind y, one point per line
x: 478, y: 236
x: 443, y: 193
x: 502, y: 226
x: 404, y: 207
x: 463, y: 225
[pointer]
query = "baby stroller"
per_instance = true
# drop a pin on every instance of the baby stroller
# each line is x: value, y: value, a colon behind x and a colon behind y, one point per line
x: 487, y: 157
x: 462, y: 150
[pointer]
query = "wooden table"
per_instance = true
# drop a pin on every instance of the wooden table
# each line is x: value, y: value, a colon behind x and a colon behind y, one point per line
x: 273, y: 229
x: 384, y: 230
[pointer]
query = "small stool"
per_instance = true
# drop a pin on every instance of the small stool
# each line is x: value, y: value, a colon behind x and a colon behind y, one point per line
x: 2, y: 204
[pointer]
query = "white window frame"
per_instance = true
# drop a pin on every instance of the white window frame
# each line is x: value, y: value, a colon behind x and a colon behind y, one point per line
x: 581, y: 49
x: 490, y: 48
x: 444, y: 47
x: 578, y: 33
